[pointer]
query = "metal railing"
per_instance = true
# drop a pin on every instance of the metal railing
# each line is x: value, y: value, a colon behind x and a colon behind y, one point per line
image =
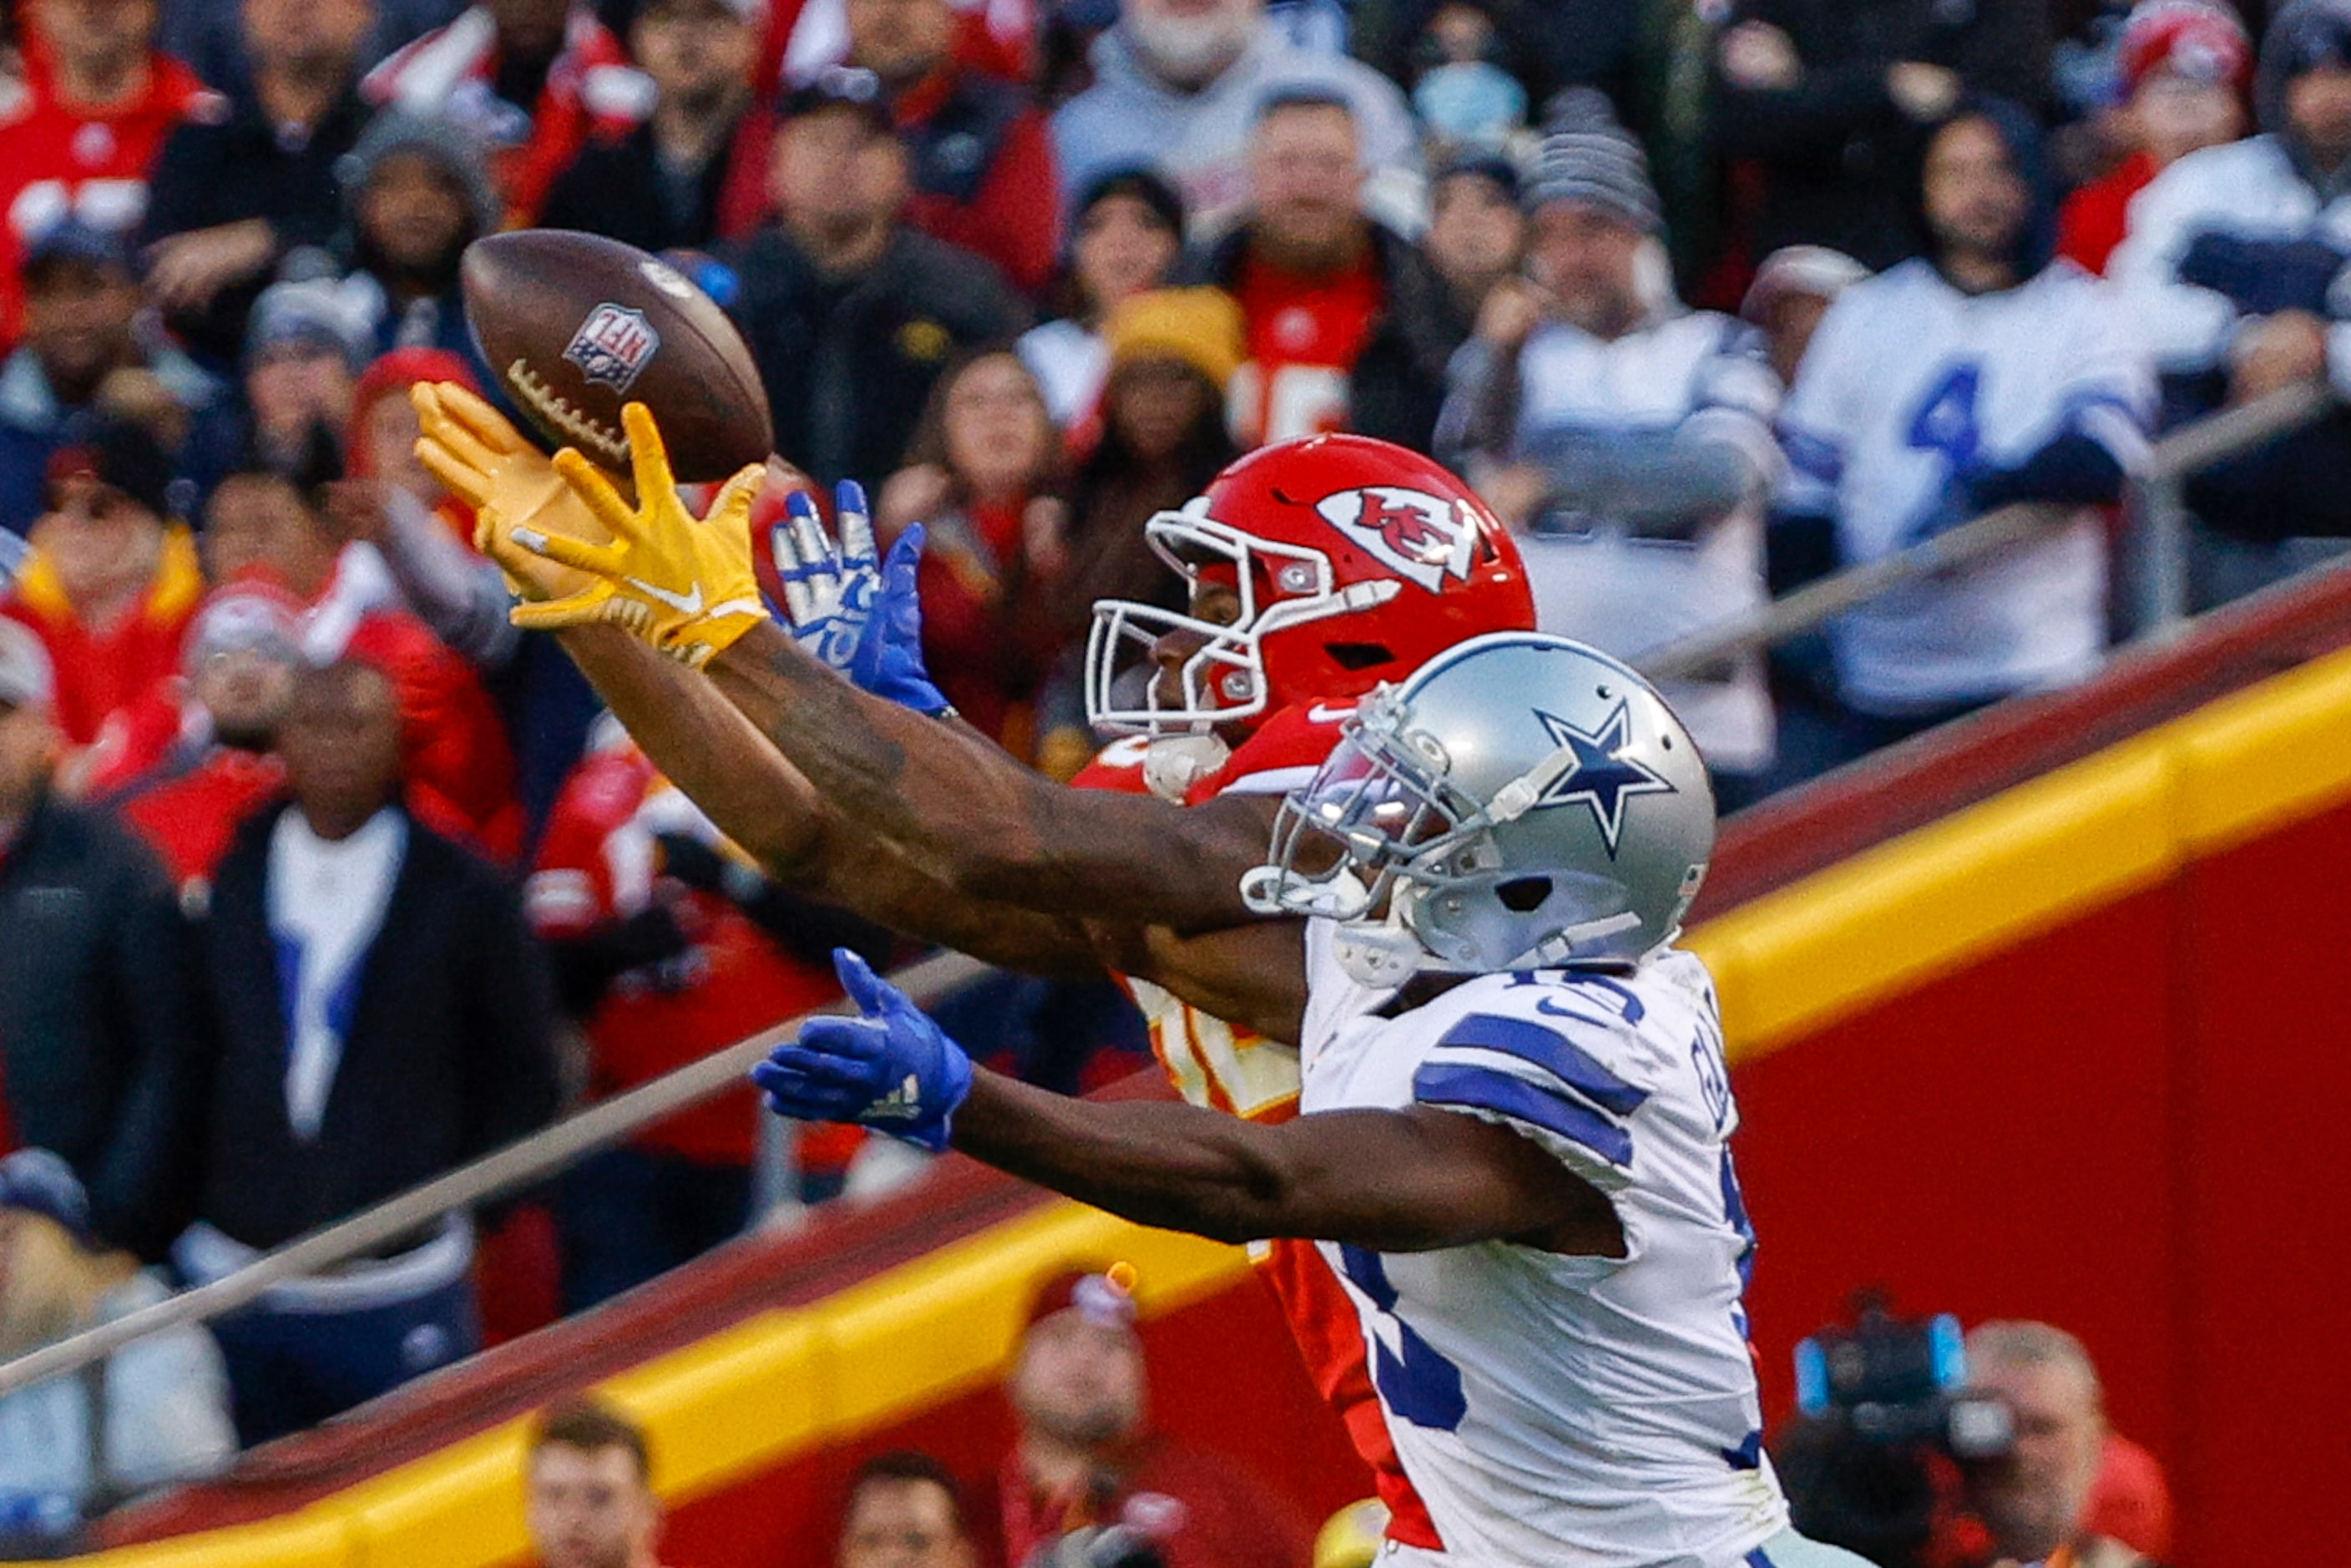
x: 2163, y: 606
x: 609, y: 1122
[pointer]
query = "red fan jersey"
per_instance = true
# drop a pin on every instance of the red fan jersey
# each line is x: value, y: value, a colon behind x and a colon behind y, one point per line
x: 596, y: 865
x: 189, y: 815
x: 66, y: 161
x: 1229, y: 1067
x: 1305, y: 334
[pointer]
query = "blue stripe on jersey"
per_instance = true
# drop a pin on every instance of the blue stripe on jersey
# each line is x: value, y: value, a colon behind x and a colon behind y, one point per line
x: 1551, y: 1052
x: 1756, y: 1558
x: 1812, y: 456
x: 1486, y: 1088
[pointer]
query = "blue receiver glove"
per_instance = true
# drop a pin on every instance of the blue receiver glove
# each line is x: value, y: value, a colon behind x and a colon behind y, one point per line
x: 892, y: 1070
x: 858, y: 614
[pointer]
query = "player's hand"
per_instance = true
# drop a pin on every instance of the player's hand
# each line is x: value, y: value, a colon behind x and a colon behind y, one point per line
x: 891, y: 1069
x: 830, y: 583
x: 860, y: 616
x: 679, y: 583
x: 486, y: 462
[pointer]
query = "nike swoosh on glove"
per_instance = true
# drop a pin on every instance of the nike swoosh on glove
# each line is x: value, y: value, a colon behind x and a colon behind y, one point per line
x: 891, y: 1069
x: 680, y: 583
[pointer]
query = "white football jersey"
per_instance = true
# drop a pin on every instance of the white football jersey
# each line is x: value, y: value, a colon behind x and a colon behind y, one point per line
x: 1909, y: 381
x: 1686, y: 370
x: 1567, y: 1412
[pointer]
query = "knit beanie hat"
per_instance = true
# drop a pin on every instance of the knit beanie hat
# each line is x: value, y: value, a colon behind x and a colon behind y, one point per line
x: 1200, y: 326
x: 1586, y: 156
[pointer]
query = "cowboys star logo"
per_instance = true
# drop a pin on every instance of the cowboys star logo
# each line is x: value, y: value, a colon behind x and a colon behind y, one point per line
x: 613, y: 346
x: 1422, y: 536
x: 1602, y: 776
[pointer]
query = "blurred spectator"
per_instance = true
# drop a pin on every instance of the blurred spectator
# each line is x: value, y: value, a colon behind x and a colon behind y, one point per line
x: 1950, y: 387
x: 419, y: 193
x: 424, y: 537
x: 982, y: 163
x: 849, y: 312
x: 1476, y: 235
x: 186, y: 771
x: 1171, y: 353
x: 83, y: 122
x: 1162, y: 438
x: 1826, y: 95
x: 1631, y: 435
x: 1466, y: 99
x: 530, y: 79
x: 1539, y: 53
x: 905, y: 1511
x: 380, y: 1015
x: 458, y: 766
x: 2186, y: 66
x: 303, y: 354
x: 167, y: 1402
x: 1792, y: 290
x: 2230, y: 269
x: 85, y: 362
x: 2036, y: 1500
x: 112, y: 579
x: 1125, y: 233
x: 588, y: 1490
x: 693, y: 171
x: 1348, y: 326
x: 665, y: 947
x: 1180, y: 84
x: 984, y: 476
x: 234, y: 193
x: 94, y: 1029
x: 1084, y: 1455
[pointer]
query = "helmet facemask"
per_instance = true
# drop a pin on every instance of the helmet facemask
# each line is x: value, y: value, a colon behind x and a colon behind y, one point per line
x: 1224, y: 680
x: 1417, y: 872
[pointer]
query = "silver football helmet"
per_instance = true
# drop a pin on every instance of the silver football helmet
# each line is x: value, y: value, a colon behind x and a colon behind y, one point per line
x: 1521, y: 801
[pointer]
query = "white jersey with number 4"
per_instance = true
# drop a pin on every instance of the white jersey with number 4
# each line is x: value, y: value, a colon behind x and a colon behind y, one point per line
x: 1566, y: 1412
x: 1908, y: 389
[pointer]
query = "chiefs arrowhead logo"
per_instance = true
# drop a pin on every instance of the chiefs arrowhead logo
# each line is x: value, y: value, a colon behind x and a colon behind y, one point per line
x: 1424, y: 536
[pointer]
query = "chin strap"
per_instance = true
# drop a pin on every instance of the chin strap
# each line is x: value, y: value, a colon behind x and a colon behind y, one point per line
x: 1172, y: 764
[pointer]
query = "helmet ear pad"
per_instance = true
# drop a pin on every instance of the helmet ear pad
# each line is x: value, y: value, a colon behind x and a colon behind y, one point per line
x: 1488, y: 912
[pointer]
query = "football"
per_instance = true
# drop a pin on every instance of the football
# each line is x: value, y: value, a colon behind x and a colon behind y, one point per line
x: 574, y: 325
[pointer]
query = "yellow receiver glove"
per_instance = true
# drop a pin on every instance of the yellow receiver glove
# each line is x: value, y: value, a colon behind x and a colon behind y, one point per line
x: 682, y: 584
x: 511, y: 485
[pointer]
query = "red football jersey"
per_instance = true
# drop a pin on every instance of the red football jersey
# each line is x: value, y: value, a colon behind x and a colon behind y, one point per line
x: 191, y: 817
x: 597, y: 866
x: 69, y: 161
x: 1304, y: 335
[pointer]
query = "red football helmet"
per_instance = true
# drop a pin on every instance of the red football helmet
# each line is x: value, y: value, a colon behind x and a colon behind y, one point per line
x: 1353, y: 562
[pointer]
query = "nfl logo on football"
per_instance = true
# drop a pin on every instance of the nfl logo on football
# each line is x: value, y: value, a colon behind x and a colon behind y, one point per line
x: 613, y: 346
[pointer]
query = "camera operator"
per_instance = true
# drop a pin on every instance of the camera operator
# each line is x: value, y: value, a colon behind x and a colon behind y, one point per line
x: 1917, y: 1448
x: 2039, y: 1500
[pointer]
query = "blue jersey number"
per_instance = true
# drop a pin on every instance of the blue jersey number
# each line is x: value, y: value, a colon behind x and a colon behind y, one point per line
x: 1419, y: 1385
x: 1946, y: 425
x: 1946, y: 421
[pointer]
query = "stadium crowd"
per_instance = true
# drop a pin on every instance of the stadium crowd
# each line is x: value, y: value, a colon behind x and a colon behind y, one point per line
x: 1036, y: 269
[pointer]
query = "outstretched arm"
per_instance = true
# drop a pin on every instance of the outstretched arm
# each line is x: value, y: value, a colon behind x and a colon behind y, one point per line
x: 759, y: 801
x: 1446, y: 1179
x: 979, y: 822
